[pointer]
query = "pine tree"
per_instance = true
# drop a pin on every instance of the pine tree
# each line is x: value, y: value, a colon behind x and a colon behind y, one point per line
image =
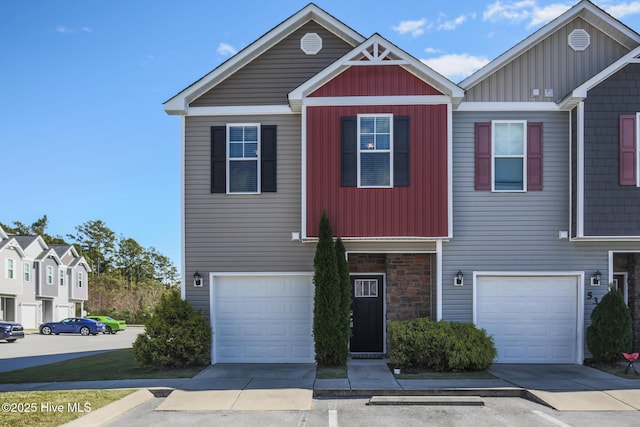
x: 326, y: 330
x: 344, y: 308
x: 610, y: 333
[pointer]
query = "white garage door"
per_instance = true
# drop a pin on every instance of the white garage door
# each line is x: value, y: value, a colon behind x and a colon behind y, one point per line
x: 266, y: 319
x: 29, y: 319
x: 63, y: 311
x: 531, y: 319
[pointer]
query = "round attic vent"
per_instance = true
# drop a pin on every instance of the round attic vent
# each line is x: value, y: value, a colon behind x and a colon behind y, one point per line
x: 311, y: 43
x: 579, y: 39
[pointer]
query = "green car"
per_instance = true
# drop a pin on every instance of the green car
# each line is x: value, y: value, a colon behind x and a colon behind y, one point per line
x: 111, y: 326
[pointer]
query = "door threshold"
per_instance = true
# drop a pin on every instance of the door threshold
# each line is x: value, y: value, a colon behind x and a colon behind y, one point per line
x: 367, y: 355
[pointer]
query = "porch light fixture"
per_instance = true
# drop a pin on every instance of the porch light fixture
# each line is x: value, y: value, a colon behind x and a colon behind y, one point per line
x: 197, y: 280
x: 458, y: 279
x: 595, y: 279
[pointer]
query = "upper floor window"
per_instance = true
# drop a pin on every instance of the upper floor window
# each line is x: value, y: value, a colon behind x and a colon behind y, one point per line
x: 509, y: 147
x: 508, y: 156
x: 26, y: 272
x: 243, y: 173
x: 375, y: 150
x: 243, y: 158
x: 61, y: 276
x: 49, y: 275
x: 10, y: 272
x: 80, y: 279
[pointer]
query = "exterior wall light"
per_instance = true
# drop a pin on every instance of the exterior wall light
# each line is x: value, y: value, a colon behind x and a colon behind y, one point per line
x: 595, y: 279
x: 458, y: 279
x: 197, y: 280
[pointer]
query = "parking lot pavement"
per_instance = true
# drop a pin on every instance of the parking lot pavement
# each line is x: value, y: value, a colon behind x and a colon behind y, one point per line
x: 36, y: 349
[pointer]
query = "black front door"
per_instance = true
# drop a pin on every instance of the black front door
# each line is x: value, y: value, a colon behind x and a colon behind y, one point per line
x: 367, y: 307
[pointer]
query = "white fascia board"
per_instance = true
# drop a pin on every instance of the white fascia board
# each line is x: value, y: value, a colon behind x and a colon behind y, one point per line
x: 581, y: 91
x: 508, y: 106
x: 607, y: 239
x: 583, y: 9
x: 179, y: 103
x: 377, y: 100
x: 243, y: 110
x: 13, y: 244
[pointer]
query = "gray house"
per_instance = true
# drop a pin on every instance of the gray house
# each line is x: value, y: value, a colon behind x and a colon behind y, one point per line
x: 491, y: 201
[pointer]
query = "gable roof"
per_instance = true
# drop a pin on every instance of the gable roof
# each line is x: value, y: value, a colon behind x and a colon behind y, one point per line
x: 26, y: 241
x: 580, y: 93
x: 61, y: 250
x: 11, y: 243
x: 586, y: 10
x: 376, y: 50
x: 180, y: 102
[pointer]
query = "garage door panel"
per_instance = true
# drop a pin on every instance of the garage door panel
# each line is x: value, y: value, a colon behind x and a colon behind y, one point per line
x: 263, y: 319
x: 531, y: 319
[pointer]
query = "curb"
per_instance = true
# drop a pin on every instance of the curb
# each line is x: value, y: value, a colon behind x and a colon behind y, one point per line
x: 480, y: 392
x: 113, y: 410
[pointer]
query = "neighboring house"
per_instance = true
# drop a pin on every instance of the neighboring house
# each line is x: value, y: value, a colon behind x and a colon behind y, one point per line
x: 491, y: 201
x: 39, y: 283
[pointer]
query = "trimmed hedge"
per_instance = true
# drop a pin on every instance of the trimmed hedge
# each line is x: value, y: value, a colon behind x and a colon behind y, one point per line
x: 440, y: 346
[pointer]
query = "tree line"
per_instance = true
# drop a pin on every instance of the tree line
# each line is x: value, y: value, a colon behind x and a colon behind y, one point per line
x: 127, y: 279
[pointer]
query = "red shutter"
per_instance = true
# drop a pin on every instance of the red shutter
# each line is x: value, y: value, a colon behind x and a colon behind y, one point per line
x: 483, y: 156
x: 534, y: 157
x: 628, y: 150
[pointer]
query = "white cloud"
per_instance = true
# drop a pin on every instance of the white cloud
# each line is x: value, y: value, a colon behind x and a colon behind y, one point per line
x: 456, y: 66
x: 547, y: 13
x: 416, y: 28
x: 623, y: 9
x: 432, y: 50
x: 63, y: 29
x: 453, y: 24
x: 226, y: 49
x: 524, y: 10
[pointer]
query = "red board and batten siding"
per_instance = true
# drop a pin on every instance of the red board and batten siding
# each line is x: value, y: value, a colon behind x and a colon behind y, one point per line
x: 375, y: 80
x: 420, y: 210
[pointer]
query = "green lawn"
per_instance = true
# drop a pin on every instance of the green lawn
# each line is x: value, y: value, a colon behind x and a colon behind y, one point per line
x: 53, y: 408
x: 112, y: 365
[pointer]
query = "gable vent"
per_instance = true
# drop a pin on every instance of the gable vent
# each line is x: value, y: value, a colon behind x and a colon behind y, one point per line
x: 579, y: 40
x: 311, y: 43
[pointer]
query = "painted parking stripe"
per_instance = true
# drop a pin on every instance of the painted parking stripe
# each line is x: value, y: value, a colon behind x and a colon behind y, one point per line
x: 333, y: 418
x: 551, y: 419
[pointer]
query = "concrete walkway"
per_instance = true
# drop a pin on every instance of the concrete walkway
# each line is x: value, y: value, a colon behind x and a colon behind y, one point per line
x: 293, y: 386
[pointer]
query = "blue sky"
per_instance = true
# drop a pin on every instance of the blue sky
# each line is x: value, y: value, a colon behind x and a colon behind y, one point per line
x: 83, y: 134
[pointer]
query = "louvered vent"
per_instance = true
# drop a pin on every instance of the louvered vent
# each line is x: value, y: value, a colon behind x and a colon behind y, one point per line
x: 311, y: 43
x: 579, y: 39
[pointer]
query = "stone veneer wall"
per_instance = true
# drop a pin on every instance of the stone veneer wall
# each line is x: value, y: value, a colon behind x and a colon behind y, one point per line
x: 408, y: 290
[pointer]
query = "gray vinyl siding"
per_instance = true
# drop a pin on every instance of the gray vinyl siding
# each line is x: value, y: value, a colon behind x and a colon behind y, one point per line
x: 550, y: 64
x: 242, y: 233
x: 609, y: 208
x: 270, y: 77
x: 513, y: 232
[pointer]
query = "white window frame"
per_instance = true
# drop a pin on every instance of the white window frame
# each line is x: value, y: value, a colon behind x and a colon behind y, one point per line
x: 61, y: 276
x: 10, y: 272
x: 257, y: 159
x: 80, y: 279
x: 49, y: 271
x: 26, y: 271
x: 360, y: 285
x: 494, y: 156
x: 389, y: 150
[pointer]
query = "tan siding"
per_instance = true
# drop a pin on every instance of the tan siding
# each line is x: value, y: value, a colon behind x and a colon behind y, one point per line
x: 269, y: 78
x: 551, y: 64
x: 242, y: 233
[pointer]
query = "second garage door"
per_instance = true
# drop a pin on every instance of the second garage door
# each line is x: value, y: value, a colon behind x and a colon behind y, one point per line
x: 263, y: 319
x: 532, y: 319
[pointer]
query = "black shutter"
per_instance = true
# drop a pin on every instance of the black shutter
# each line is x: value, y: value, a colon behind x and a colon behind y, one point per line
x: 268, y: 137
x: 401, y: 151
x: 348, y: 152
x: 218, y: 159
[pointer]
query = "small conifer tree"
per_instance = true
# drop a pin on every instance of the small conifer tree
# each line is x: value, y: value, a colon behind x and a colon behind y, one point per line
x: 326, y: 329
x: 610, y: 334
x: 344, y: 309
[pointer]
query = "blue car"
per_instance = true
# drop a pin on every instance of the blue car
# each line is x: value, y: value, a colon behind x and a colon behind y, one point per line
x: 72, y: 325
x: 11, y: 331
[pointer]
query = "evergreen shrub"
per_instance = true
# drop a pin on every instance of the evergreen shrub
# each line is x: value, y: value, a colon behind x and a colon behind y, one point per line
x: 175, y: 336
x: 610, y: 333
x: 439, y: 346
